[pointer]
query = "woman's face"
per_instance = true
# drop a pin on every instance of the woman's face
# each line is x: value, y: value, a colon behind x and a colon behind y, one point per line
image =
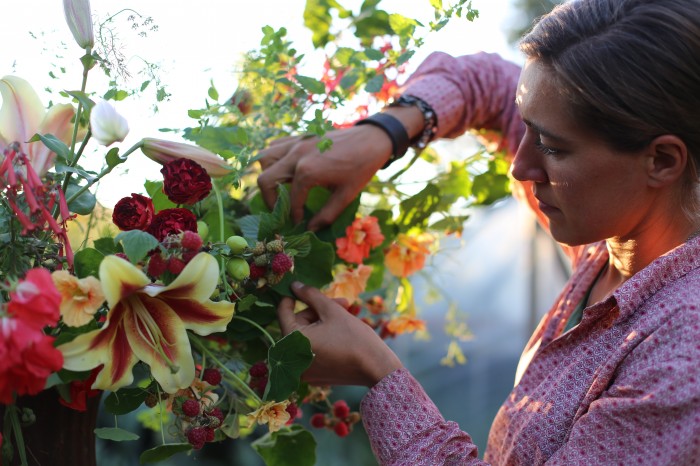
x: 588, y: 191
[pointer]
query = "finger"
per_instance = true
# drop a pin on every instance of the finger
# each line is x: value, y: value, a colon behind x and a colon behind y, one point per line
x: 338, y: 201
x: 343, y: 302
x: 323, y: 305
x: 285, y: 315
x: 298, y: 193
x: 273, y: 153
x: 306, y: 317
x: 279, y: 173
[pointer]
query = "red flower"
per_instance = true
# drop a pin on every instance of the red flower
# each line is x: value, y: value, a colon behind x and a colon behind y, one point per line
x: 172, y: 222
x: 80, y: 391
x: 27, y: 358
x: 35, y: 300
x: 185, y: 181
x: 133, y: 213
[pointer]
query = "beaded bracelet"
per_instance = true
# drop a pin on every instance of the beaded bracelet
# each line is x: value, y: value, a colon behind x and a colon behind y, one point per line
x: 430, y: 125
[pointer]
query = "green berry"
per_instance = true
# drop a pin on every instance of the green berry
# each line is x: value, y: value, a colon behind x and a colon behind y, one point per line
x: 275, y: 246
x: 238, y: 268
x: 237, y: 244
x: 259, y: 248
x: 262, y: 260
x: 203, y: 230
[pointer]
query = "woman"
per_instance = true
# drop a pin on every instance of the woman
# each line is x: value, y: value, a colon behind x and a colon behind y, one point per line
x: 606, y: 112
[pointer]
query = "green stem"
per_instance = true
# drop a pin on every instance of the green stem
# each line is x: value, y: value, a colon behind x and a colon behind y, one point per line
x: 404, y: 169
x: 18, y: 434
x: 160, y: 415
x: 258, y: 326
x: 220, y: 211
x: 242, y: 386
x: 101, y: 175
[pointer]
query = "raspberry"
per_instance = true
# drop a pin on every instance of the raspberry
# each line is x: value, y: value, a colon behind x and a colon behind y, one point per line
x: 210, y: 434
x: 197, y: 436
x: 273, y: 279
x: 212, y: 376
x: 341, y: 429
x: 218, y: 414
x: 292, y: 409
x: 156, y: 265
x: 258, y: 384
x: 175, y: 265
x: 341, y: 409
x: 275, y: 246
x: 191, y: 240
x: 258, y: 249
x: 190, y: 408
x: 281, y: 263
x: 355, y: 309
x: 318, y: 420
x: 259, y: 369
x: 257, y: 271
x: 187, y: 256
x: 151, y: 400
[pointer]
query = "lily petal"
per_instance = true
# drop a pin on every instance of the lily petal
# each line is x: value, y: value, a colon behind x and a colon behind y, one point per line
x: 196, y: 281
x: 22, y: 110
x: 57, y: 122
x: 120, y: 278
x: 158, y: 337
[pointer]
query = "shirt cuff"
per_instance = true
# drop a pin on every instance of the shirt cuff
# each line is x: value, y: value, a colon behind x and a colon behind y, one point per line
x: 394, y: 411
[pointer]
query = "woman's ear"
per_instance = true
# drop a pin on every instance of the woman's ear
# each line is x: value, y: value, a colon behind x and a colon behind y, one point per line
x: 667, y: 159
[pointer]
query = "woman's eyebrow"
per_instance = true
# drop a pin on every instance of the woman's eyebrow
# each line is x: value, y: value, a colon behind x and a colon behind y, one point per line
x: 546, y: 133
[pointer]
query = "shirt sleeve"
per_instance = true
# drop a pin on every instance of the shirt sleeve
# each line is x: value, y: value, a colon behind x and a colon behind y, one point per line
x: 406, y: 428
x: 470, y: 92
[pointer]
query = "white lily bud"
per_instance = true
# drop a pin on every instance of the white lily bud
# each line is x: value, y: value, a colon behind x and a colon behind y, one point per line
x: 163, y: 152
x: 79, y: 19
x: 106, y: 125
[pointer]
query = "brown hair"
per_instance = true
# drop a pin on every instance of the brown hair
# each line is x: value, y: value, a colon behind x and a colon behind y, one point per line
x: 631, y: 69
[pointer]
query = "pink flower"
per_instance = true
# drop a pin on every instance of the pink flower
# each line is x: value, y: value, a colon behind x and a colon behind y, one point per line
x: 348, y: 282
x: 362, y: 235
x: 35, y: 300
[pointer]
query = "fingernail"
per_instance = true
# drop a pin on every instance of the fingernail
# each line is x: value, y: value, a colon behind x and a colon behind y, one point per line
x: 297, y: 285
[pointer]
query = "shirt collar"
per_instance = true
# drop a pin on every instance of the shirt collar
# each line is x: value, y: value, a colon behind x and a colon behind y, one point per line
x: 663, y: 270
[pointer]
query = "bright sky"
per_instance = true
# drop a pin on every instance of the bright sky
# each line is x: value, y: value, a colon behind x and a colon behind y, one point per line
x: 196, y: 42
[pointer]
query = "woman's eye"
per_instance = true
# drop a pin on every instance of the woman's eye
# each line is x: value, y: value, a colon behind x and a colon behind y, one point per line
x: 546, y: 150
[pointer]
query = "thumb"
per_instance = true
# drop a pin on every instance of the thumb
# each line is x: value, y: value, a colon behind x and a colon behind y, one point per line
x: 314, y: 298
x: 285, y: 315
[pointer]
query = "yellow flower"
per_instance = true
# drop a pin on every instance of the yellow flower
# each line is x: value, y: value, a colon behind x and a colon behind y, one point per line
x: 149, y: 323
x: 407, y: 254
x: 348, y: 282
x: 22, y: 115
x: 80, y: 297
x: 272, y: 413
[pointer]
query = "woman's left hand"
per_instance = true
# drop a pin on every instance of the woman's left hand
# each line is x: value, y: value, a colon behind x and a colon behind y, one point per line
x: 346, y: 350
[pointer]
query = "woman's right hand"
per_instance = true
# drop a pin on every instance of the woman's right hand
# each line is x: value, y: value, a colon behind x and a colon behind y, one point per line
x: 345, y: 169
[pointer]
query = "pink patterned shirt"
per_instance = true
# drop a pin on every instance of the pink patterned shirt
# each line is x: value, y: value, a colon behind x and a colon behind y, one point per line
x: 621, y: 387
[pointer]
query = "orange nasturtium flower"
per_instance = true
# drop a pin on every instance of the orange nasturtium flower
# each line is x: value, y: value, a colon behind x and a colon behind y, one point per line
x: 80, y: 297
x: 407, y: 254
x: 148, y: 322
x: 362, y: 235
x: 348, y: 282
x: 272, y: 413
x: 405, y: 324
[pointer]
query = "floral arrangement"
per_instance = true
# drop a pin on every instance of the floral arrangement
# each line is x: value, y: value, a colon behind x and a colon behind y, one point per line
x: 173, y: 306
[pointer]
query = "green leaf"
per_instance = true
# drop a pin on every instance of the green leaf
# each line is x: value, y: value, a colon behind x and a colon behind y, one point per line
x: 144, y: 85
x: 373, y: 54
x: 312, y: 85
x: 162, y: 452
x: 416, y: 210
x: 106, y: 246
x: 402, y: 25
x: 314, y: 269
x: 212, y: 92
x: 317, y: 18
x: 405, y: 57
x: 115, y: 434
x: 112, y: 158
x: 55, y: 145
x: 136, y: 244
x: 84, y: 100
x: 87, y: 262
x: 375, y: 84
x: 290, y: 445
x: 288, y: 359
x: 84, y: 204
x: 159, y: 198
x: 125, y: 400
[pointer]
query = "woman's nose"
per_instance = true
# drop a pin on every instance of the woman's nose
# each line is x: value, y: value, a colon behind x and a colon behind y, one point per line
x: 527, y: 164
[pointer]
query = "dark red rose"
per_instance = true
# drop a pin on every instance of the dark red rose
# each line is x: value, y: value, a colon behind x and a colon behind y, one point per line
x: 185, y: 181
x: 80, y: 391
x: 133, y: 213
x: 172, y: 222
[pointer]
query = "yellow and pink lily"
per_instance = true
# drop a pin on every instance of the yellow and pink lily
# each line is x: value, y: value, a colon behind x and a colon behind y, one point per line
x: 149, y: 322
x: 22, y: 115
